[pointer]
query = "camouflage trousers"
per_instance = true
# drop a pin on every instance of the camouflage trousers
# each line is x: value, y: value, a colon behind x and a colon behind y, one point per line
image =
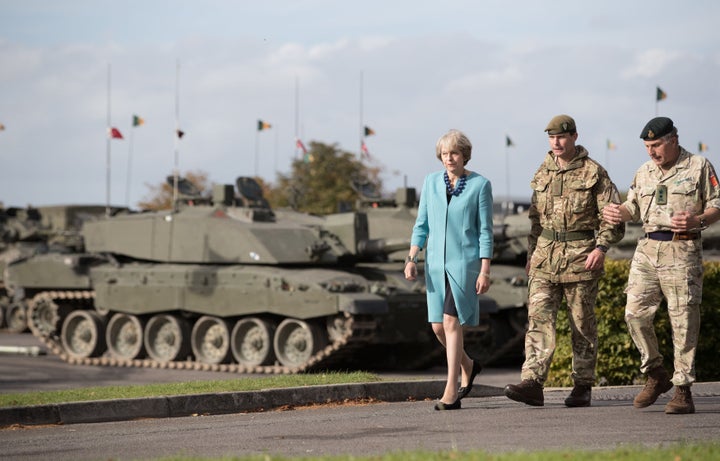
x: 673, y: 269
x: 545, y: 298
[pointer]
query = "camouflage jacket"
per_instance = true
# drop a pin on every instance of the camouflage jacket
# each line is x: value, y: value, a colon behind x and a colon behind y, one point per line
x: 691, y: 185
x: 569, y: 200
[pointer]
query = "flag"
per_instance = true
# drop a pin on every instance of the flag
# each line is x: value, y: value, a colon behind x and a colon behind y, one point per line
x: 2, y: 127
x: 369, y: 131
x: 364, y: 150
x: 180, y: 133
x: 299, y: 144
x: 115, y: 133
x: 137, y: 120
x: 611, y: 145
x: 508, y: 141
x: 263, y: 125
x: 660, y: 94
x: 702, y: 147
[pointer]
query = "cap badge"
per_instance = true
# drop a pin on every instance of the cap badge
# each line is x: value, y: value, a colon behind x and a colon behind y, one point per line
x: 564, y: 126
x: 650, y: 134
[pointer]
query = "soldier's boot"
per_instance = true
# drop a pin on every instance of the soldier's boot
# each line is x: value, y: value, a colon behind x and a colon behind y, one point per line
x: 658, y: 382
x: 528, y: 391
x: 580, y: 396
x: 681, y: 403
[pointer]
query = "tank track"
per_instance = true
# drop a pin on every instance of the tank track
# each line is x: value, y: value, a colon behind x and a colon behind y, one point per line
x: 47, y: 311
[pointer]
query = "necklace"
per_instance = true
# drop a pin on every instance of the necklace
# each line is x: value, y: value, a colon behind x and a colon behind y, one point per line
x: 460, y: 185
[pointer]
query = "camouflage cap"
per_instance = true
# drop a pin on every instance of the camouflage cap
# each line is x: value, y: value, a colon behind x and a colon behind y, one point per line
x: 657, y: 128
x: 561, y: 124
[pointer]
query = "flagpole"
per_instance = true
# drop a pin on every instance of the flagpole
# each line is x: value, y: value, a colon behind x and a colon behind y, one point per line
x: 257, y: 147
x: 361, y: 115
x: 507, y: 178
x: 276, y: 148
x: 107, y: 155
x: 177, y: 135
x: 297, y: 115
x: 129, y: 167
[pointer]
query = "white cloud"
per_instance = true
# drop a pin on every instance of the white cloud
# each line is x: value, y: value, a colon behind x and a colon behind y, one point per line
x: 651, y: 63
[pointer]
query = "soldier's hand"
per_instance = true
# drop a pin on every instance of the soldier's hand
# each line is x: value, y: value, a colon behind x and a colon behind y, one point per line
x: 611, y: 213
x: 683, y: 221
x: 595, y: 260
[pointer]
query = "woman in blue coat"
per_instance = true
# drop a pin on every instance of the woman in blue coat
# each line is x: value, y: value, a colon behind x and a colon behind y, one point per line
x: 455, y: 221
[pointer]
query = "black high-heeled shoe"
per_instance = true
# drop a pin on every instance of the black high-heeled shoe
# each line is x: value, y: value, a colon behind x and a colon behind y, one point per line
x: 465, y: 390
x: 440, y: 406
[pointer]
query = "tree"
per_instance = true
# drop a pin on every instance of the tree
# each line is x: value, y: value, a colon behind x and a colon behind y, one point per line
x: 321, y: 182
x: 160, y: 196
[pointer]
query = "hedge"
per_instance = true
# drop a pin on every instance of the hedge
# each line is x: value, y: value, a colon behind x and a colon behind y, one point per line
x: 618, y: 358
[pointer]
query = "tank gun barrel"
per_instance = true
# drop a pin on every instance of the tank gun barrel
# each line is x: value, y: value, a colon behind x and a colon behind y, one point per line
x: 381, y: 247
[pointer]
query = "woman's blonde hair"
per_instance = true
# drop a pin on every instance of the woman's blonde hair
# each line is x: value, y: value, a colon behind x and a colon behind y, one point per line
x: 454, y: 140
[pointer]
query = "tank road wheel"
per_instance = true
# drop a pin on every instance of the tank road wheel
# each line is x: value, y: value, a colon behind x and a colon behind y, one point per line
x: 210, y: 340
x: 166, y: 338
x: 82, y: 336
x: 124, y: 337
x: 296, y: 341
x: 44, y: 316
x: 252, y: 342
x: 16, y: 317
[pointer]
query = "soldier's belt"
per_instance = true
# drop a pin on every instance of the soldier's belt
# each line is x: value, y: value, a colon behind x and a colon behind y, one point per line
x: 568, y: 236
x: 666, y: 236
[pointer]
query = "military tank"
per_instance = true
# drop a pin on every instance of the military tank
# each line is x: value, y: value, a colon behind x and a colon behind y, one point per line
x: 219, y: 283
x: 26, y: 232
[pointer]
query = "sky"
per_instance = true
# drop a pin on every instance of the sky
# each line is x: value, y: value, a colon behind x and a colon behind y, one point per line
x: 321, y: 70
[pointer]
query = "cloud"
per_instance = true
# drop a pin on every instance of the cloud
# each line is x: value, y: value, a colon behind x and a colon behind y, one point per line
x: 651, y: 63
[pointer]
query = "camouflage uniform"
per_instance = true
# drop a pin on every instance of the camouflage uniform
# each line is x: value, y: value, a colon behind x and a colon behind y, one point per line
x: 671, y: 268
x: 566, y: 227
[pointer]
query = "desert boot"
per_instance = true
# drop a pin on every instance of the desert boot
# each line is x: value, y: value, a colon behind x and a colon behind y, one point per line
x: 580, y: 396
x: 658, y: 382
x: 681, y: 403
x: 528, y: 391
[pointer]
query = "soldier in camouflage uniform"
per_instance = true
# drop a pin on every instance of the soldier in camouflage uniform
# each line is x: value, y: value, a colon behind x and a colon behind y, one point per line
x: 566, y: 256
x: 675, y: 195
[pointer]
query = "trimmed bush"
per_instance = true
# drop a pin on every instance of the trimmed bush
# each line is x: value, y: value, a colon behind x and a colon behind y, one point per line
x: 618, y: 358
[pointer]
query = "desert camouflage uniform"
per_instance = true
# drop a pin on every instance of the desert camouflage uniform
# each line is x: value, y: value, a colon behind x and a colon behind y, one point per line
x: 673, y: 268
x: 566, y: 200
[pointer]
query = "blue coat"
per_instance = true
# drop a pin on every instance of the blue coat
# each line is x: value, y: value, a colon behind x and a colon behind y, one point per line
x: 458, y: 235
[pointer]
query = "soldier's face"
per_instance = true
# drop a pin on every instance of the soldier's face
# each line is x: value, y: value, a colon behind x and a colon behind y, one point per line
x: 563, y: 145
x: 663, y: 152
